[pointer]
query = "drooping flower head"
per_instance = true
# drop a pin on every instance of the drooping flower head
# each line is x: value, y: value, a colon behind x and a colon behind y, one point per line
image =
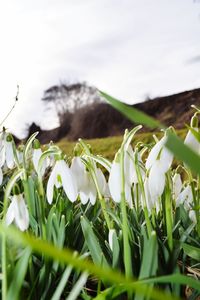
x: 61, y: 175
x: 18, y: 212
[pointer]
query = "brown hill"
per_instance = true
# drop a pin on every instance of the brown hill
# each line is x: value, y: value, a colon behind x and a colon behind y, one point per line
x: 101, y: 120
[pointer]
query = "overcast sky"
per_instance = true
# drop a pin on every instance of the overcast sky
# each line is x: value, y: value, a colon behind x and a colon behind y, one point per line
x: 131, y: 49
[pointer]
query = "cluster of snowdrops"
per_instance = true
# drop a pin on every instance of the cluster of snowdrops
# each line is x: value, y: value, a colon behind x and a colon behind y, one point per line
x: 140, y: 191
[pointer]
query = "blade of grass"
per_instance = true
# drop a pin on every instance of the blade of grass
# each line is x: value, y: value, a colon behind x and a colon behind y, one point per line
x: 131, y: 113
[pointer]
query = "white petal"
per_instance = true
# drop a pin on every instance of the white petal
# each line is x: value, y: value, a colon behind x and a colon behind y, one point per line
x: 21, y: 214
x: 128, y: 195
x: 156, y: 181
x: 50, y: 185
x: 92, y: 191
x: 68, y: 182
x: 36, y: 157
x: 185, y: 197
x: 10, y: 215
x: 129, y: 166
x: 191, y: 141
x: 148, y: 199
x: 84, y: 197
x: 166, y: 158
x: 177, y: 185
x: 78, y: 171
x: 9, y: 155
x: 114, y: 182
x: 101, y: 180
x: 153, y: 155
x: 2, y: 156
x: 110, y: 238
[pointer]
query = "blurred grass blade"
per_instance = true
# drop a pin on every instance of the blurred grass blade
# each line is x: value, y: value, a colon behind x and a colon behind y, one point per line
x: 66, y: 256
x: 58, y: 292
x: 192, y: 251
x: 131, y: 113
x: 19, y: 275
x: 183, y: 152
x: 78, y: 287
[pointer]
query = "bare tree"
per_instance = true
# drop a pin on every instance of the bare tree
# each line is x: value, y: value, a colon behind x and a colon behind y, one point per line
x: 67, y: 98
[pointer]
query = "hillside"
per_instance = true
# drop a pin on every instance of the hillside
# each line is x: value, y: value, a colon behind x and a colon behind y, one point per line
x: 101, y: 120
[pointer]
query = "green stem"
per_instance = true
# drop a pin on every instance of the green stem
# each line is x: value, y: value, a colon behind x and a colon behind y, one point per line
x: 4, y: 268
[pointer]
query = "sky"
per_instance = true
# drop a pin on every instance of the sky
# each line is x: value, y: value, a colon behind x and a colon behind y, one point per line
x: 132, y: 49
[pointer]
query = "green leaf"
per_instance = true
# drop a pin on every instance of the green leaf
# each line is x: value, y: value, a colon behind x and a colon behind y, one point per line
x: 67, y: 257
x: 149, y: 263
x: 191, y: 251
x: 93, y: 244
x: 78, y: 287
x: 131, y: 113
x: 18, y: 275
x: 62, y: 284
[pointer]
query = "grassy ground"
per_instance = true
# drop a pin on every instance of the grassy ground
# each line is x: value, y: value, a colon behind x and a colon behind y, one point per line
x: 107, y: 147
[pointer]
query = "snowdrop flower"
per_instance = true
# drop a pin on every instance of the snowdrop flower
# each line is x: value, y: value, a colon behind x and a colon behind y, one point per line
x: 114, y: 182
x: 130, y: 168
x: 6, y: 150
x: 37, y: 152
x: 86, y: 187
x: 146, y: 199
x: 177, y: 185
x: 185, y: 198
x: 160, y: 155
x: 17, y: 212
x: 9, y: 154
x: 158, y: 163
x: 190, y: 139
x: 61, y: 175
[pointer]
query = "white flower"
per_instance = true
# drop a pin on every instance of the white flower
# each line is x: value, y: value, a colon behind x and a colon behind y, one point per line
x: 61, y: 175
x: 146, y: 199
x: 161, y: 155
x: 191, y: 141
x: 18, y: 213
x: 185, y: 198
x: 36, y: 157
x: 85, y: 185
x: 177, y: 185
x: 115, y: 184
x: 158, y: 163
x: 9, y: 154
x: 130, y: 168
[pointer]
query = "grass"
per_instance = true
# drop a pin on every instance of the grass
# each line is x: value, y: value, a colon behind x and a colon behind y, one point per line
x: 107, y: 147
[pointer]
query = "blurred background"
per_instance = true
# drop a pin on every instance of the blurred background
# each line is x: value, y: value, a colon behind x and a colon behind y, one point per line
x: 59, y: 52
